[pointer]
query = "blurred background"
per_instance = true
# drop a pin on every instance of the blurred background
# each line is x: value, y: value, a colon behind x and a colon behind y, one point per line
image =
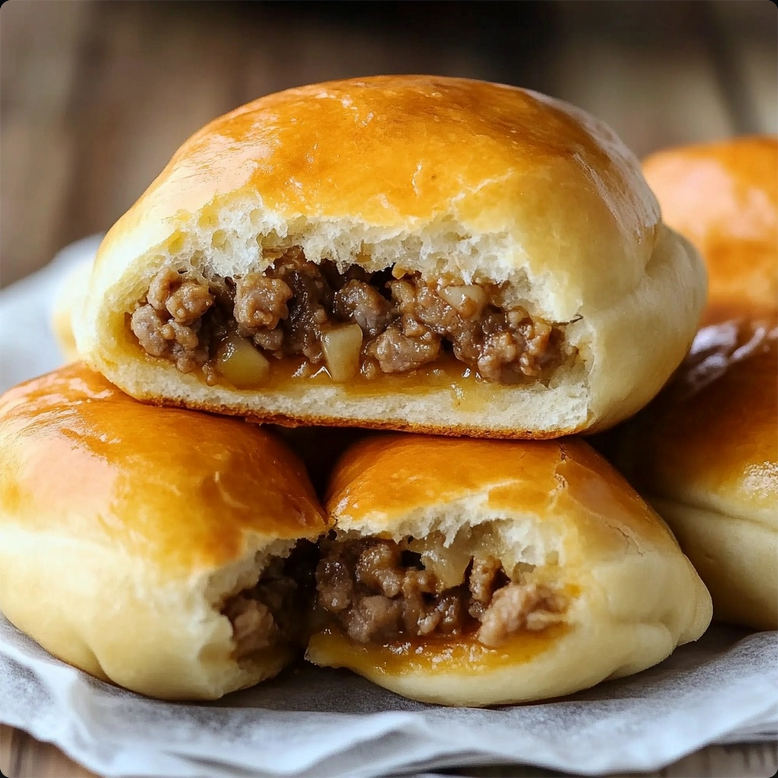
x: 95, y: 96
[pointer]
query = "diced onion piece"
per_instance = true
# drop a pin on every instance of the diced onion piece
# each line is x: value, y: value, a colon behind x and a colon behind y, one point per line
x: 241, y: 363
x: 447, y: 564
x: 467, y: 300
x: 342, y: 347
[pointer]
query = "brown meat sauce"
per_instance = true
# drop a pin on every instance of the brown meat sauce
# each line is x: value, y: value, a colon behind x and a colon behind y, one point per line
x: 406, y: 323
x: 378, y: 591
x: 274, y: 612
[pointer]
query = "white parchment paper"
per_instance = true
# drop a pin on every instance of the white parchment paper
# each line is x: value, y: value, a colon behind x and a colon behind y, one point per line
x: 328, y: 724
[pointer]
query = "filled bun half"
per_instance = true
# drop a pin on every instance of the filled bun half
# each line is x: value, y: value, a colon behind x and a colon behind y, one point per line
x: 705, y: 454
x: 399, y: 252
x: 486, y: 572
x: 723, y: 197
x: 153, y: 548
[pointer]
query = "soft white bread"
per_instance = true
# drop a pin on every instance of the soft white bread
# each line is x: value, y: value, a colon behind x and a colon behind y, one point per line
x: 70, y: 299
x: 705, y: 454
x: 629, y: 594
x: 124, y: 530
x: 447, y: 178
x: 723, y: 197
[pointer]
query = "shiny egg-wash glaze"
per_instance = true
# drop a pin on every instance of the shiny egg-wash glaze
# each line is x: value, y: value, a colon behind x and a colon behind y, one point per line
x: 705, y: 454
x: 555, y: 512
x: 445, y: 178
x: 125, y: 528
x: 723, y: 197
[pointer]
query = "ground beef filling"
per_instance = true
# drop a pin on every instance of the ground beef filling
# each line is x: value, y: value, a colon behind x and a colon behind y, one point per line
x: 352, y: 322
x: 267, y: 615
x: 379, y: 592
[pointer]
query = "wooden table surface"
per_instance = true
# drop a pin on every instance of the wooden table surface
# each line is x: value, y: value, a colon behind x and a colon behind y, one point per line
x: 96, y: 96
x: 21, y: 756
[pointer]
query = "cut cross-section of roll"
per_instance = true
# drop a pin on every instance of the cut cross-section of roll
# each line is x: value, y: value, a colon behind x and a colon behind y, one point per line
x: 487, y: 572
x: 155, y: 548
x: 397, y: 252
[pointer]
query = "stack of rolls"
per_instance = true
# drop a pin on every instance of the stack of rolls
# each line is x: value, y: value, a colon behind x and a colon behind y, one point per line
x: 470, y: 276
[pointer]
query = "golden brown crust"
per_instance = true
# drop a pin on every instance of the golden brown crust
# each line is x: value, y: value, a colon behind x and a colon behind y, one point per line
x: 705, y: 454
x: 555, y: 506
x: 124, y: 528
x: 389, y: 476
x: 710, y: 439
x: 74, y: 447
x: 724, y: 197
x: 706, y: 451
x: 426, y: 140
x: 448, y: 178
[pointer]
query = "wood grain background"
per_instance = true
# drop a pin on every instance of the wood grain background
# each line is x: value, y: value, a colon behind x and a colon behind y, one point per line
x: 95, y: 96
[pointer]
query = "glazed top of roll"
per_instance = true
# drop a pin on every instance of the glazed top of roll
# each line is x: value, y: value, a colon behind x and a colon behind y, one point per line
x: 386, y: 484
x: 478, y: 572
x: 511, y: 180
x: 498, y: 201
x: 710, y: 440
x: 723, y: 196
x: 149, y: 546
x: 74, y: 447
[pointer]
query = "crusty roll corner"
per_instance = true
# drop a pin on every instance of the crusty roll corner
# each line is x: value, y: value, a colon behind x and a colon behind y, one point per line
x: 399, y: 252
x: 476, y: 573
x: 151, y: 547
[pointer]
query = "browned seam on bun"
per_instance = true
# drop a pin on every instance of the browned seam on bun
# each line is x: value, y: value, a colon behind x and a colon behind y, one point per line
x: 141, y: 544
x: 723, y: 196
x: 560, y: 544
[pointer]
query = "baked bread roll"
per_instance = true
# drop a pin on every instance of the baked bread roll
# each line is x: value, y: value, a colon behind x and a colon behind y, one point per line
x: 724, y: 198
x: 705, y: 454
x: 402, y: 252
x: 149, y: 547
x: 484, y: 572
